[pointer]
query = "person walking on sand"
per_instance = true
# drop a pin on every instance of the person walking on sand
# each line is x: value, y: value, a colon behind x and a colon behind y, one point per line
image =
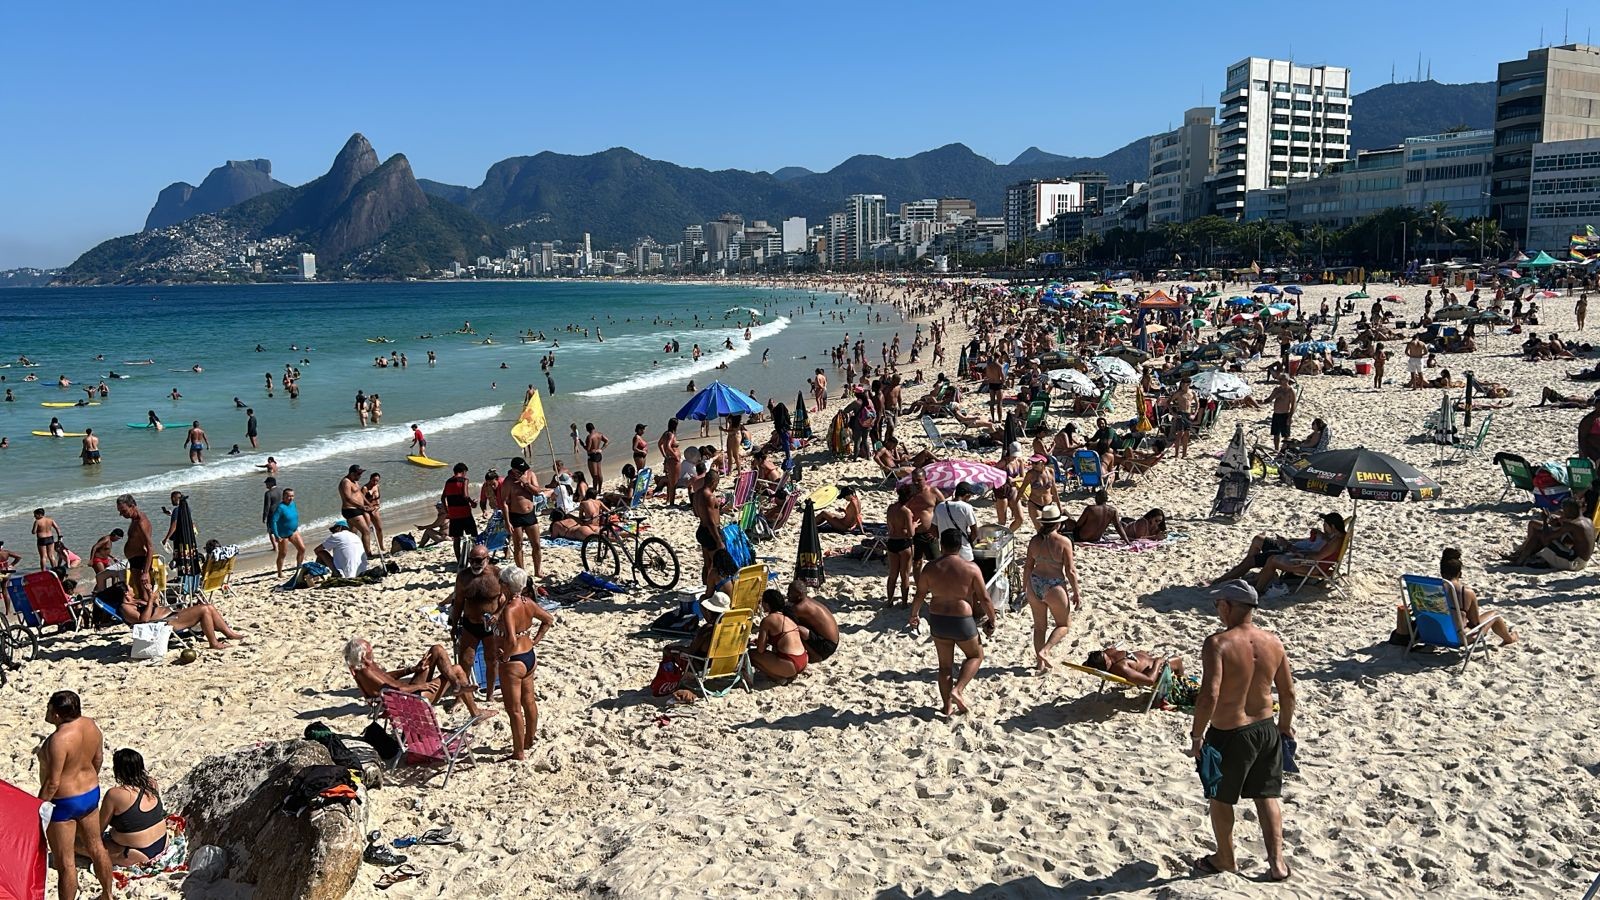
x: 1050, y: 578
x: 593, y: 444
x: 69, y: 777
x: 957, y: 599
x: 195, y: 439
x: 283, y: 525
x: 1234, y: 737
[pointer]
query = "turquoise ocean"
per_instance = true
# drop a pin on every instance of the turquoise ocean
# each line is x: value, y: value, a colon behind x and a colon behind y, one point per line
x: 465, y: 404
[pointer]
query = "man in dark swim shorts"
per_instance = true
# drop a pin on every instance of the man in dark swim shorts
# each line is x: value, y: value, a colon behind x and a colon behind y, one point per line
x: 593, y: 443
x: 707, y: 506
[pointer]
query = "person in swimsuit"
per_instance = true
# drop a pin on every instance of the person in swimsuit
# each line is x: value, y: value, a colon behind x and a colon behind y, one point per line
x: 47, y: 535
x: 1136, y: 666
x: 707, y: 504
x: 196, y: 440
x: 133, y: 822
x: 1040, y: 486
x: 353, y: 506
x: 91, y: 448
x: 430, y: 677
x: 518, y: 503
x: 818, y: 627
x: 955, y: 592
x: 780, y: 650
x: 1048, y: 571
x: 898, y: 545
x: 1008, y: 496
x: 593, y: 444
x: 671, y: 459
x: 373, y: 491
x: 69, y: 775
x: 845, y: 520
x: 137, y: 548
x: 1096, y: 519
x: 473, y: 607
x: 522, y: 624
x: 641, y: 447
x: 925, y: 537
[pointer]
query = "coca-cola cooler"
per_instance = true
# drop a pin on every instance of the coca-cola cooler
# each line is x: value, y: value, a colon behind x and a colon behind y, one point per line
x: 995, y: 552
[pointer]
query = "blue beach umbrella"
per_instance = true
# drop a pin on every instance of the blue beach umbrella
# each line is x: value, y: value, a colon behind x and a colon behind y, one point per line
x: 1293, y: 289
x: 1266, y: 289
x: 1241, y: 301
x: 717, y: 400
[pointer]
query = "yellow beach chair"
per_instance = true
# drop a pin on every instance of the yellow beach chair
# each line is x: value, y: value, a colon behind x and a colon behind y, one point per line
x: 728, y: 659
x: 1106, y: 678
x: 747, y: 588
x: 217, y: 578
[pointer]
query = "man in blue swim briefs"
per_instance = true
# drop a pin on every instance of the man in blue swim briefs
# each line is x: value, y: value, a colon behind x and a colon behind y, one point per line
x: 69, y: 766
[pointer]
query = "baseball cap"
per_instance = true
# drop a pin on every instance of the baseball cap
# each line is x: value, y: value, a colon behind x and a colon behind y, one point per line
x: 356, y: 470
x: 1236, y: 590
x: 518, y: 463
x: 338, y: 523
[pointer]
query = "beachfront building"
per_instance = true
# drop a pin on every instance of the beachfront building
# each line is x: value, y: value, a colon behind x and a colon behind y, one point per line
x: 956, y: 209
x: 1563, y: 193
x: 794, y: 234
x: 1452, y: 169
x: 1280, y: 122
x: 1180, y: 161
x: 838, y: 224
x: 864, y: 226
x: 308, y: 267
x: 1371, y: 182
x: 1031, y: 205
x: 728, y: 228
x: 1551, y: 95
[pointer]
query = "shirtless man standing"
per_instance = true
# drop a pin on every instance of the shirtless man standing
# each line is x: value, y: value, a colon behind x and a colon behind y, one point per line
x: 1182, y: 405
x: 925, y: 538
x: 1282, y: 410
x: 671, y: 459
x: 994, y: 381
x: 956, y: 598
x: 818, y: 628
x: 897, y: 546
x: 473, y: 606
x: 707, y: 505
x: 353, y: 506
x: 1233, y: 725
x: 593, y: 443
x: 195, y: 439
x: 47, y: 535
x: 137, y: 548
x: 91, y: 448
x: 1416, y: 359
x: 517, y: 492
x: 69, y: 766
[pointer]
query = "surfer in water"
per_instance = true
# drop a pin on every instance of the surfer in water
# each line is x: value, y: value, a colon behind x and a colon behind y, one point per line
x: 153, y: 420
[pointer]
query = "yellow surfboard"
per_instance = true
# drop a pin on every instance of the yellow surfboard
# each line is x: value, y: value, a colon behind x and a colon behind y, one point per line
x: 59, y: 404
x: 824, y: 495
x: 63, y: 434
x: 426, y: 462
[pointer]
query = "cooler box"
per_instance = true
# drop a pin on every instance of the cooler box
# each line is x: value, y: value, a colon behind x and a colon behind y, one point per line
x: 1363, y: 367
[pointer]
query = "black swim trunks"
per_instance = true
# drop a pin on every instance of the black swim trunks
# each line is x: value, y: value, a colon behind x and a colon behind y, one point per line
x: 897, y: 544
x: 1280, y: 424
x: 138, y: 563
x: 1252, y: 761
x: 926, y: 545
x: 595, y: 457
x: 348, y: 513
x: 820, y: 647
x: 1269, y: 548
x: 463, y: 527
x: 528, y: 519
x: 706, y: 538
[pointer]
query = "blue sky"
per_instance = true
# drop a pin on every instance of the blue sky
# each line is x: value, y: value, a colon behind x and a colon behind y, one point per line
x: 106, y: 103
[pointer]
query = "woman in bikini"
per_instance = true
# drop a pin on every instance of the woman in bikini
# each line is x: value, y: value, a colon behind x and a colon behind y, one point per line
x: 897, y: 546
x: 1040, y: 486
x: 1047, y: 574
x: 641, y: 447
x: 133, y: 823
x: 373, y: 490
x: 1008, y: 496
x: 522, y: 624
x: 782, y: 652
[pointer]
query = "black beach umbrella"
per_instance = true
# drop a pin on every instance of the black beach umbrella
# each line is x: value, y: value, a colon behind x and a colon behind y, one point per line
x: 1213, y: 352
x: 1486, y: 317
x: 1364, y: 475
x: 800, y: 420
x: 1127, y: 353
x: 186, y: 561
x: 808, y: 565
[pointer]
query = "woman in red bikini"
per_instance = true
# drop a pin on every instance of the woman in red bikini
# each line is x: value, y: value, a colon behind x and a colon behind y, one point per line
x: 782, y: 652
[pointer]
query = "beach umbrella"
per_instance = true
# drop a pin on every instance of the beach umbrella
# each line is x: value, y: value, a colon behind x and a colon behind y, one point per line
x: 1280, y: 308
x: 22, y: 843
x: 1118, y: 320
x: 1114, y: 369
x: 800, y: 420
x: 716, y: 400
x: 1074, y: 382
x: 1214, y: 351
x: 1487, y: 317
x: 1241, y: 301
x: 945, y: 474
x: 1304, y: 347
x: 1154, y: 329
x: 1266, y: 289
x: 1451, y: 313
x: 1221, y: 385
x: 1364, y: 475
x: 808, y: 560
x: 186, y: 562
x: 1293, y: 289
x: 1197, y: 322
x: 1201, y: 302
x: 1357, y: 295
x: 1393, y: 298
x: 1127, y: 353
x: 1241, y: 318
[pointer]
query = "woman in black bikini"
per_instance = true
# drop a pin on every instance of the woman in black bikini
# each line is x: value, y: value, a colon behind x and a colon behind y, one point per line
x: 1008, y: 496
x: 897, y: 547
x: 522, y: 624
x: 133, y: 823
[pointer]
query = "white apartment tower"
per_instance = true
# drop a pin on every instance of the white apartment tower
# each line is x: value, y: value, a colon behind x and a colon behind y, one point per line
x: 1180, y: 161
x: 308, y: 267
x: 838, y: 244
x: 794, y: 234
x: 1281, y: 122
x: 1031, y: 205
x: 864, y: 224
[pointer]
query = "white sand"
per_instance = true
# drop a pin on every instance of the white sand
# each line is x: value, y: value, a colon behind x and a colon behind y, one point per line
x: 846, y: 784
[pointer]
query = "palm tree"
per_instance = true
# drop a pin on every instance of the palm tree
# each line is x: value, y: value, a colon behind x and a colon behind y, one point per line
x: 1486, y: 234
x: 1438, y: 215
x: 1318, y: 233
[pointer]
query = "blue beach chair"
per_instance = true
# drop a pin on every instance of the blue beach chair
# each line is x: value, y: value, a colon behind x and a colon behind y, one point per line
x: 1086, y: 465
x: 1436, y: 619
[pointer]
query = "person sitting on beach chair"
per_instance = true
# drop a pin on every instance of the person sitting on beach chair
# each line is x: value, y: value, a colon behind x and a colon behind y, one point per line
x: 1137, y: 666
x: 1323, y: 541
x: 846, y: 520
x: 1318, y: 440
x: 1466, y: 600
x: 203, y: 616
x: 1563, y: 543
x: 434, y: 532
x: 892, y: 458
x: 432, y: 677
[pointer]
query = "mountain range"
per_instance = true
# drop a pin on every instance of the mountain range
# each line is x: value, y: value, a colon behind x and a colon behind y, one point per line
x: 370, y: 219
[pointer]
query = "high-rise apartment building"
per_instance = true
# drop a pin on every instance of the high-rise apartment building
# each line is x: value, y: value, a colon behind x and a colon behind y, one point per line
x: 719, y: 234
x: 952, y: 209
x: 1553, y: 94
x: 308, y: 267
x: 1563, y: 194
x: 864, y: 224
x: 794, y: 234
x: 1281, y: 122
x: 1031, y: 205
x: 693, y: 236
x: 838, y: 246
x: 1180, y: 161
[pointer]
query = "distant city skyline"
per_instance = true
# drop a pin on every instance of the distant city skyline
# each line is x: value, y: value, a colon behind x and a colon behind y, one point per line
x: 111, y: 103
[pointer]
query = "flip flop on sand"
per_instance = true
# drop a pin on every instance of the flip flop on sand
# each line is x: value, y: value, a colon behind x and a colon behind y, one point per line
x: 395, y: 876
x: 439, y: 836
x: 1287, y: 874
x: 1204, y: 866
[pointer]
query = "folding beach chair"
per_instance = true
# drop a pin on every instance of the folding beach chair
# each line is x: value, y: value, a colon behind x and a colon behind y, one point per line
x: 158, y: 576
x: 1436, y: 619
x: 1036, y: 416
x: 1330, y: 572
x: 744, y: 487
x: 737, y: 544
x: 784, y: 511
x: 1580, y: 474
x: 1163, y: 682
x: 495, y: 537
x: 1087, y: 467
x: 412, y: 720
x: 936, y: 441
x: 1519, y: 474
x: 748, y: 586
x: 217, y: 578
x: 641, y: 487
x: 1233, y: 495
x: 1470, y: 445
x: 727, y: 659
x: 41, y: 602
x: 1103, y: 405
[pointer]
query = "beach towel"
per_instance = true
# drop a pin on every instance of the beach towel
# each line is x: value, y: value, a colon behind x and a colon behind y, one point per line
x: 173, y: 859
x: 558, y: 542
x: 1139, y: 545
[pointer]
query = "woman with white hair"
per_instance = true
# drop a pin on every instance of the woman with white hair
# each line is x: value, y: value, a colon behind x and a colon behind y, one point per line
x: 520, y: 627
x: 430, y: 677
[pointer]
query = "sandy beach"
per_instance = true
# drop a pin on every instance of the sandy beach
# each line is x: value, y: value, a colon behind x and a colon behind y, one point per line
x: 848, y: 783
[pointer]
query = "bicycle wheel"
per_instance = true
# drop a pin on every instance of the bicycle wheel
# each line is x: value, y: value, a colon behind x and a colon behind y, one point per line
x: 600, y: 557
x: 657, y: 563
x: 24, y: 643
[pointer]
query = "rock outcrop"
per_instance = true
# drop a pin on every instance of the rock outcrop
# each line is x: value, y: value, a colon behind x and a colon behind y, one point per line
x: 231, y: 801
x: 231, y: 183
x: 376, y: 204
x: 320, y: 199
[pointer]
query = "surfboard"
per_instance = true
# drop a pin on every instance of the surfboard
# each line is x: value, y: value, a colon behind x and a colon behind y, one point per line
x: 426, y: 462
x: 824, y: 495
x: 67, y: 404
x: 139, y: 425
x: 65, y: 434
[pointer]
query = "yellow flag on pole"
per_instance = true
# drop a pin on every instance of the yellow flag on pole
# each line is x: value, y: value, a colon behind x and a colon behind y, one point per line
x: 530, y: 423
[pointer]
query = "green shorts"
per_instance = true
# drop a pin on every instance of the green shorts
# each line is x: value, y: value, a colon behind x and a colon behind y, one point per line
x: 1252, y: 761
